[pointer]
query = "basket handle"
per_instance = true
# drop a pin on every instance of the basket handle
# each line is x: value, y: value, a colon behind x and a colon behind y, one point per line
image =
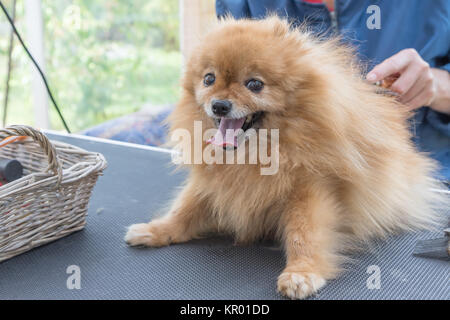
x: 53, y: 161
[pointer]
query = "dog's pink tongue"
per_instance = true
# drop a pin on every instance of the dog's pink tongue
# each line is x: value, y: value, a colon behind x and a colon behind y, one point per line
x: 226, y: 134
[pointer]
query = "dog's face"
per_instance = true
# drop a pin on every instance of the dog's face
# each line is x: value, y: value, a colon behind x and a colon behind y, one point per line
x: 240, y: 76
x: 262, y: 75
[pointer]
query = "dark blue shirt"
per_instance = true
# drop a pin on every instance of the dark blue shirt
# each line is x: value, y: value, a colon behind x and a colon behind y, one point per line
x: 419, y: 24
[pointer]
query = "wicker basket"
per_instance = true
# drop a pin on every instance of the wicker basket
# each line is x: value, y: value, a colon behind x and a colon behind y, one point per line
x: 51, y: 200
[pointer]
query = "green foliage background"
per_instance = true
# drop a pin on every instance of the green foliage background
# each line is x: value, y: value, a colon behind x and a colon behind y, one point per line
x: 104, y: 59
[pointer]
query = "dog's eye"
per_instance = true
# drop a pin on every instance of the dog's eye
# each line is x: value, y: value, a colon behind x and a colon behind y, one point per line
x: 254, y: 85
x: 209, y: 79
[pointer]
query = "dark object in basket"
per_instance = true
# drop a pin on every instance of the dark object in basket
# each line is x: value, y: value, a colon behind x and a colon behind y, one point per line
x: 10, y: 170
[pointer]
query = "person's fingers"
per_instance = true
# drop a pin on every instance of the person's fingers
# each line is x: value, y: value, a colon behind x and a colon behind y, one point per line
x: 392, y: 65
x: 424, y: 98
x: 407, y: 79
x: 424, y: 81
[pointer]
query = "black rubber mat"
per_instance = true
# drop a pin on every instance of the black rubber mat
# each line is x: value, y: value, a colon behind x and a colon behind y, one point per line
x: 139, y: 182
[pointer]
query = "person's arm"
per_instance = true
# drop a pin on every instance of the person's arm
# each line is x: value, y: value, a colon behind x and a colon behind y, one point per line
x: 441, y: 102
x: 418, y: 85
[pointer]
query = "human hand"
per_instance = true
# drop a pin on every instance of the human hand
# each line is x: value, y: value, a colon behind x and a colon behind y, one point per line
x: 416, y: 83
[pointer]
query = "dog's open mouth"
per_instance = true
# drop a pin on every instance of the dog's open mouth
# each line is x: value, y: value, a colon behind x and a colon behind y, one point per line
x: 228, y: 129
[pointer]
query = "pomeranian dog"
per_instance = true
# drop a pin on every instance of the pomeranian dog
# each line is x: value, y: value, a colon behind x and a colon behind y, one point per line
x: 347, y: 169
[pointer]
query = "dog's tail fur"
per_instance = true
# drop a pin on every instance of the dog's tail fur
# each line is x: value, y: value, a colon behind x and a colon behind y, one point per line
x: 395, y: 201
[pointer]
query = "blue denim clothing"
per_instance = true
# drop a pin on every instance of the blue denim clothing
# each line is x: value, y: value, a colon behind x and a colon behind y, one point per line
x: 419, y: 24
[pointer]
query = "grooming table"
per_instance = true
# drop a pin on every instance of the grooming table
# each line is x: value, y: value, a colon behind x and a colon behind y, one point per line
x: 137, y: 183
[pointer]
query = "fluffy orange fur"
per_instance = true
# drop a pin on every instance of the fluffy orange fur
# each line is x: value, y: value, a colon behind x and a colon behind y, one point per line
x: 348, y: 170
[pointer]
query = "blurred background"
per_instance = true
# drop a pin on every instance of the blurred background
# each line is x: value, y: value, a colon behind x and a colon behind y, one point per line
x: 104, y: 61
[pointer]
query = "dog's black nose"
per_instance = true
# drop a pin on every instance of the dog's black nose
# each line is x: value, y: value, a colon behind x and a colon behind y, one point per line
x: 221, y: 107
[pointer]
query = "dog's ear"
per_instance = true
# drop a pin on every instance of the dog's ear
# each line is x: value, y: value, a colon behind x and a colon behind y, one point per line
x: 280, y: 27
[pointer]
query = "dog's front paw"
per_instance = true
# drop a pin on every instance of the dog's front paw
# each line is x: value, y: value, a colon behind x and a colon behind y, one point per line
x: 146, y: 234
x: 299, y: 285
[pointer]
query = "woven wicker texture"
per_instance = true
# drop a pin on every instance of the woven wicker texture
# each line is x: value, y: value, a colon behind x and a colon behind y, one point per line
x: 50, y: 201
